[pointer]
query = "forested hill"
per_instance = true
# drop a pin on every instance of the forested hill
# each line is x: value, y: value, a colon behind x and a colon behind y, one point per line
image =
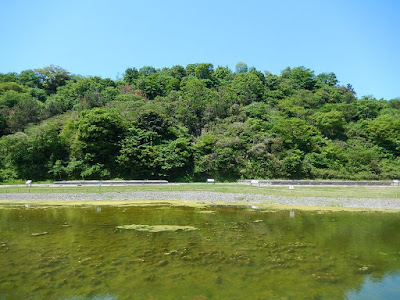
x: 190, y: 123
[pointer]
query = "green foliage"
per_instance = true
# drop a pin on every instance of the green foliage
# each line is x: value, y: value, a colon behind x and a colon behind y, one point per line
x: 223, y: 75
x: 26, y: 111
x: 177, y: 72
x: 11, y: 86
x: 137, y: 154
x: 9, y: 77
x: 204, y: 71
x: 241, y: 67
x: 3, y: 120
x: 257, y: 110
x: 51, y: 77
x: 385, y: 131
x: 146, y: 71
x: 368, y: 108
x: 30, y: 78
x: 300, y: 78
x: 130, y: 75
x: 155, y: 85
x: 31, y: 155
x: 191, y: 110
x: 330, y: 123
x: 296, y: 134
x: 175, y: 159
x: 96, y: 141
x: 292, y: 163
x: 328, y: 79
x: 247, y: 88
x: 144, y: 154
x: 193, y: 122
x: 151, y: 120
x: 12, y: 98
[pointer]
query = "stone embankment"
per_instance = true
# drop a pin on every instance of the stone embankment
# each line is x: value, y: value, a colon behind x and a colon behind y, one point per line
x: 205, y: 198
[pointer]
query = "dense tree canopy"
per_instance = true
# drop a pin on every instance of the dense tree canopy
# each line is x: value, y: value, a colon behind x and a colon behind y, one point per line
x: 193, y: 122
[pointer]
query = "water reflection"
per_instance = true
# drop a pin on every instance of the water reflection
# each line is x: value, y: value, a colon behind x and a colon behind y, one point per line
x: 387, y: 288
x: 236, y: 254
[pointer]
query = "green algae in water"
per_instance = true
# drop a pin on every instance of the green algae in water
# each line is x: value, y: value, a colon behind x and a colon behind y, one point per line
x: 335, y: 255
x: 157, y: 228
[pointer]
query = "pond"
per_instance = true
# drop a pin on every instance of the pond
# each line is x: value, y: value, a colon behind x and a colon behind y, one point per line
x: 210, y: 253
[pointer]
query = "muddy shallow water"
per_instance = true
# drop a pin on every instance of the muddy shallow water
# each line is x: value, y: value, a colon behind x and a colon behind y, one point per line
x: 234, y: 253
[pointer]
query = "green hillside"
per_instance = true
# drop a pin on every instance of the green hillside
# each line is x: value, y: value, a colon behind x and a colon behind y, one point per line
x: 190, y: 123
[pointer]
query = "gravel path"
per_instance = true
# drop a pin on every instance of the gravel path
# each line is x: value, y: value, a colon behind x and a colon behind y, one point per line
x: 208, y: 197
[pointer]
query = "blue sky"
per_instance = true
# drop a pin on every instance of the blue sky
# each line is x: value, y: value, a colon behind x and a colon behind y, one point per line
x: 357, y: 40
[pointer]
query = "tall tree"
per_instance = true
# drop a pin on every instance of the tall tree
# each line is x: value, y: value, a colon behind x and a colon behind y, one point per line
x: 97, y: 141
x: 52, y: 77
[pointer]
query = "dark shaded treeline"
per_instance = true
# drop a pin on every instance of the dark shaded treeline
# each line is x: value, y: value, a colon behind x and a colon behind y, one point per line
x: 193, y: 122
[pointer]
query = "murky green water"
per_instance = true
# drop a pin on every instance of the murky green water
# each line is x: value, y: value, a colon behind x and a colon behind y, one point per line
x: 234, y: 254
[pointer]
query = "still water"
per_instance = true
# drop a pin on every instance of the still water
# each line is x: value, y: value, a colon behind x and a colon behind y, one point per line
x: 235, y: 253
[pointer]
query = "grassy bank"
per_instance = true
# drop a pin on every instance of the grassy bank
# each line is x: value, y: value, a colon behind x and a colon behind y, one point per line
x: 299, y: 191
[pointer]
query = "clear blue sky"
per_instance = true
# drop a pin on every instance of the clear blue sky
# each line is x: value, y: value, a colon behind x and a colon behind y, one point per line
x: 359, y: 40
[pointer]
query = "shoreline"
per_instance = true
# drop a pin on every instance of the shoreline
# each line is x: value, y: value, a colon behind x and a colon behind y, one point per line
x: 199, y: 199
